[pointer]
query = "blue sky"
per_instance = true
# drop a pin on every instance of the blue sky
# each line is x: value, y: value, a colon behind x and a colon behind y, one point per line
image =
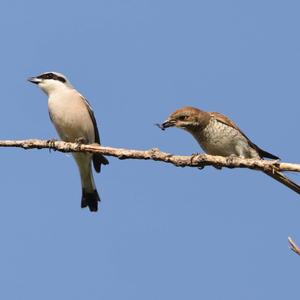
x: 162, y: 232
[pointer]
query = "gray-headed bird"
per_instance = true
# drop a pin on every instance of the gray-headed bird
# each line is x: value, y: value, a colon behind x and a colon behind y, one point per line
x: 74, y: 121
x: 218, y: 135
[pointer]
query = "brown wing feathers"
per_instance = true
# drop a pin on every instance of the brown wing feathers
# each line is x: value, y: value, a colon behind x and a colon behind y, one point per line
x: 223, y: 119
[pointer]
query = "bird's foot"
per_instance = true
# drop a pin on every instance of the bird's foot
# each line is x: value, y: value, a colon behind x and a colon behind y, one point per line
x: 218, y: 167
x: 81, y: 140
x: 51, y: 144
x: 230, y: 160
x: 196, y: 154
x: 193, y: 156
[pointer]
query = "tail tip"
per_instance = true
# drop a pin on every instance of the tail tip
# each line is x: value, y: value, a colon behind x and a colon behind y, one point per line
x: 90, y: 200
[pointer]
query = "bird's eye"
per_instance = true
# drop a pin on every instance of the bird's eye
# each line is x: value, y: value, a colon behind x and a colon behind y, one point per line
x: 182, y: 118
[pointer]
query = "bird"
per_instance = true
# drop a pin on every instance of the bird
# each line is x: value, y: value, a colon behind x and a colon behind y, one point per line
x: 74, y: 120
x: 218, y: 135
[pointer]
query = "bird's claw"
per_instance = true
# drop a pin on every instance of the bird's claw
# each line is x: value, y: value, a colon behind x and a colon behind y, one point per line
x: 193, y: 156
x: 81, y: 140
x: 51, y: 144
x: 230, y: 159
x: 218, y: 167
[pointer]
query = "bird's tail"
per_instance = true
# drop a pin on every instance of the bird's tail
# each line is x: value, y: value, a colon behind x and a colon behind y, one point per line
x: 90, y: 196
x: 90, y: 200
x: 284, y: 180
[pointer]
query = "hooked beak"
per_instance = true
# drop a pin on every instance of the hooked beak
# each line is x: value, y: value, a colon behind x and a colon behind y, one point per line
x: 34, y: 80
x: 166, y: 124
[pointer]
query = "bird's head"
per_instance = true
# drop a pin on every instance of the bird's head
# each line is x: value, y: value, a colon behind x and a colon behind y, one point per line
x: 51, y: 81
x: 188, y: 118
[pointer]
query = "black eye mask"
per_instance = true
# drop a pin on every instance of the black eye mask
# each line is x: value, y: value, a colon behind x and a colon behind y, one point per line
x: 52, y: 76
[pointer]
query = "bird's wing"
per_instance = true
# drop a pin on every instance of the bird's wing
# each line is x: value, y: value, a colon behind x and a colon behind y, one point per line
x: 98, y: 159
x: 91, y: 113
x: 50, y: 116
x: 225, y: 120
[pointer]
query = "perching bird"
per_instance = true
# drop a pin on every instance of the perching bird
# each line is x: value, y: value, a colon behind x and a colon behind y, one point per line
x: 74, y: 121
x: 218, y: 135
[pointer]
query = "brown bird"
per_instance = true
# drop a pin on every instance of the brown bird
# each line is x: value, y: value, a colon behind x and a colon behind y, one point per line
x: 218, y: 135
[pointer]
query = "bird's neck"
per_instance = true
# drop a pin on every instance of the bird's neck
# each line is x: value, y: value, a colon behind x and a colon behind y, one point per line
x: 51, y: 91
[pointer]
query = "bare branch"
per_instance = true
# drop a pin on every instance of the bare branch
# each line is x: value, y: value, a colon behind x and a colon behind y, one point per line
x: 294, y: 246
x: 195, y: 160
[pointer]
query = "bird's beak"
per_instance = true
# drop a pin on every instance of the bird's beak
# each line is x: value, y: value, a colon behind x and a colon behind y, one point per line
x: 34, y: 80
x: 166, y: 124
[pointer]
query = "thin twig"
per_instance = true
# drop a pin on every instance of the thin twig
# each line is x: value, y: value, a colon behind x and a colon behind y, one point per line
x: 294, y: 246
x: 195, y: 160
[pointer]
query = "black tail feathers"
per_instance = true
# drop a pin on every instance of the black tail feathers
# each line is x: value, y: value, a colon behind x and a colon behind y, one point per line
x: 284, y: 180
x: 90, y: 199
x: 99, y: 159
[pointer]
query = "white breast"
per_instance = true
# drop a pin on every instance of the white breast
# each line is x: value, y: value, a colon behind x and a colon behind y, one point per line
x: 70, y: 116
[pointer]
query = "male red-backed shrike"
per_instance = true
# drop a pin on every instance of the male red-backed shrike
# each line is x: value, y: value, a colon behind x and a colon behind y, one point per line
x: 74, y: 121
x: 218, y: 135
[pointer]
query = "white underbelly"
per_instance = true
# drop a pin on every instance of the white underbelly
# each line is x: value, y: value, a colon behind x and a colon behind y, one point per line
x: 223, y: 140
x: 219, y: 147
x: 71, y: 120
